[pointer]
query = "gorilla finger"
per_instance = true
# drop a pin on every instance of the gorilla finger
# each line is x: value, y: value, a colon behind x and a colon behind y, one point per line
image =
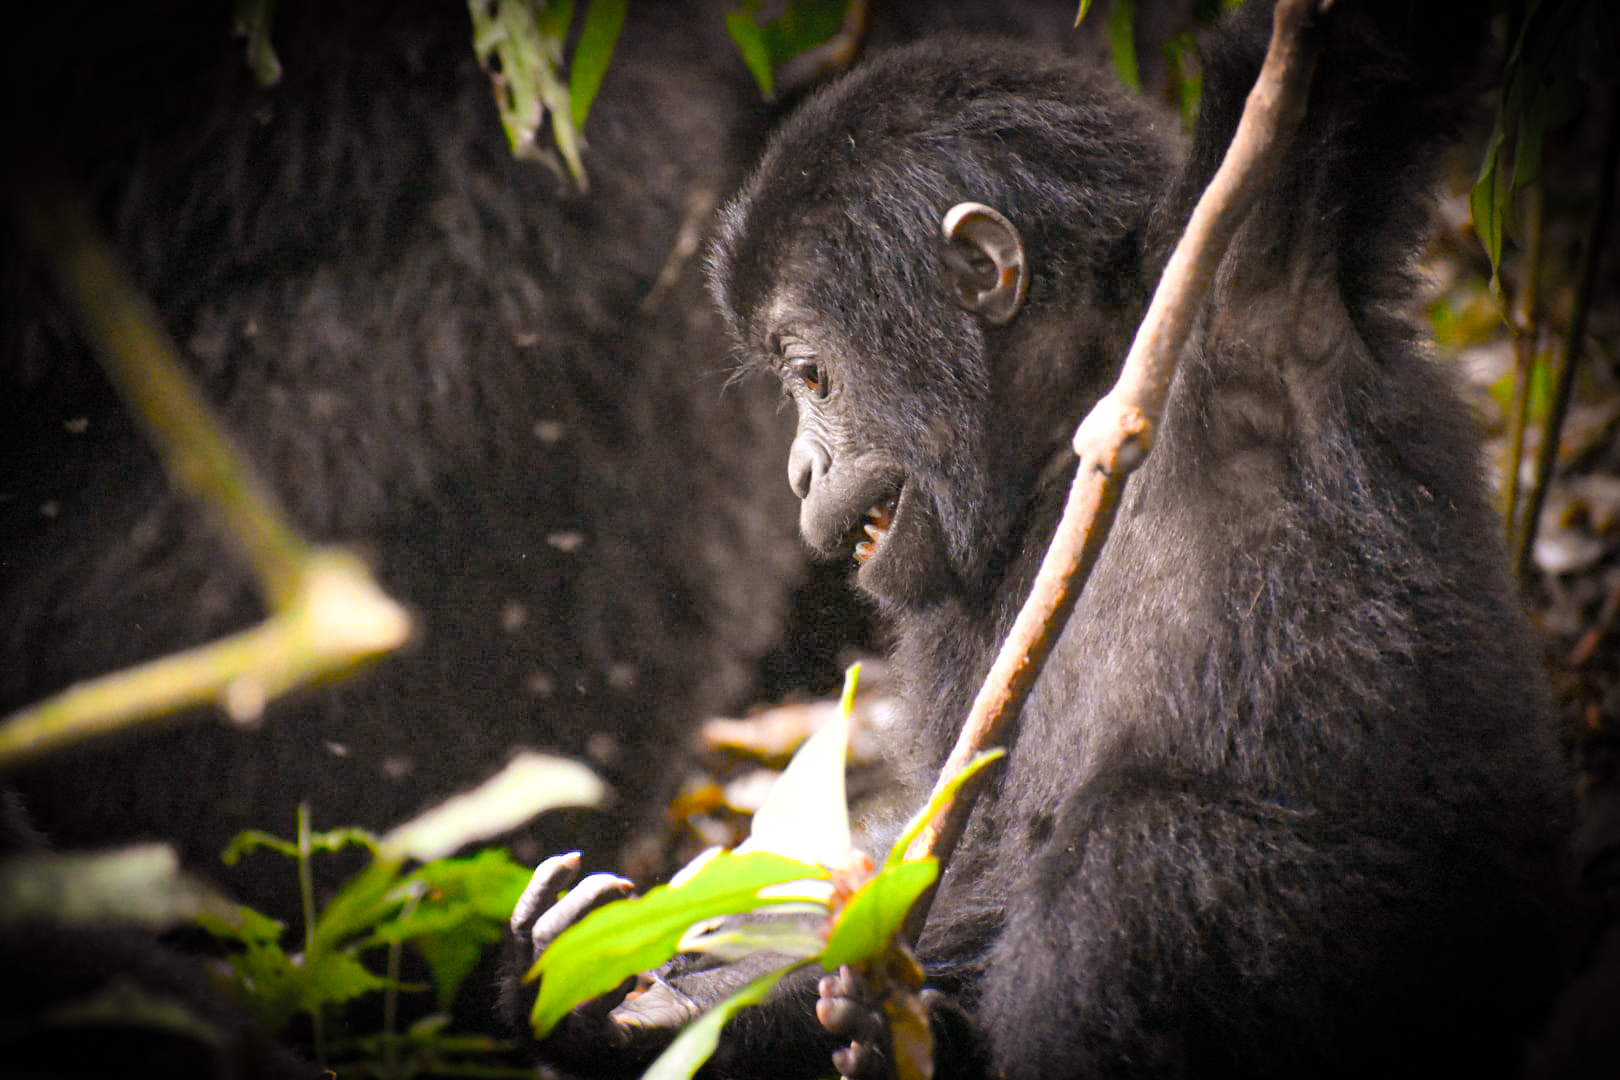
x: 657, y: 1004
x: 846, y: 1010
x: 582, y: 899
x: 550, y: 878
x: 861, y: 1061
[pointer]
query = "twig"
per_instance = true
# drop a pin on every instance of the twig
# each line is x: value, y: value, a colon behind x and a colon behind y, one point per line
x: 1118, y: 433
x: 142, y: 364
x: 1527, y: 344
x: 328, y: 613
x: 1574, y: 341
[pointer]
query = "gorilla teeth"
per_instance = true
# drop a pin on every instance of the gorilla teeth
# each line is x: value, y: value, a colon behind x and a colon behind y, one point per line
x: 881, y: 519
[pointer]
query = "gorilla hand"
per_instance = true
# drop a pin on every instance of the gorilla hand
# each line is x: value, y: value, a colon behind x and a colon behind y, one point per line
x: 846, y: 1009
x: 633, y: 1021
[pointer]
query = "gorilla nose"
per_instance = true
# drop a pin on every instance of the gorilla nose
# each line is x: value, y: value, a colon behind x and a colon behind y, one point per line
x: 808, y: 462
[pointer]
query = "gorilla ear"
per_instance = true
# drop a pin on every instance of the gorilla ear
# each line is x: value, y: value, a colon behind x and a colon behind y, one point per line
x: 984, y: 266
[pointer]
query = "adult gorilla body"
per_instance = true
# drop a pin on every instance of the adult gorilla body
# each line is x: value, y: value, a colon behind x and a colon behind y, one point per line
x: 507, y: 391
x: 1284, y: 801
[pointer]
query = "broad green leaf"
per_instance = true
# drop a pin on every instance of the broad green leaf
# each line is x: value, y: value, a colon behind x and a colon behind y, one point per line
x: 592, y: 54
x: 621, y: 939
x: 756, y: 53
x: 1122, y: 43
x: 365, y: 900
x: 339, y: 977
x: 801, y: 26
x: 806, y: 814
x: 142, y: 883
x: 696, y: 1042
x: 531, y: 784
x: 462, y: 909
x: 940, y: 800
x: 491, y: 880
x: 874, y: 914
x: 452, y: 955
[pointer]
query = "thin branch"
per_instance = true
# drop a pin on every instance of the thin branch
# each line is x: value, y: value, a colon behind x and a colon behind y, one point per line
x: 337, y: 618
x: 1118, y: 433
x: 144, y: 367
x: 1574, y: 340
x: 327, y: 611
x: 1526, y: 345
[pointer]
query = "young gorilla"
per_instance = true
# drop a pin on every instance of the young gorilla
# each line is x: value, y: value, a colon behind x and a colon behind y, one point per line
x: 1284, y: 801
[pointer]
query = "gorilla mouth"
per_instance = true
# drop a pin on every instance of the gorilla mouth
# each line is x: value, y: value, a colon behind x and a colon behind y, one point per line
x: 879, y: 520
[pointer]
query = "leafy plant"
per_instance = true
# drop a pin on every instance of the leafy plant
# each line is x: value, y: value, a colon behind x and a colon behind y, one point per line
x: 522, y: 44
x: 798, y: 863
x: 1559, y: 51
x: 767, y: 46
x: 449, y: 910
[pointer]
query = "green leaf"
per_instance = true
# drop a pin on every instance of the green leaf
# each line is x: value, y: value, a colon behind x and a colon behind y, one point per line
x: 1122, y: 42
x: 1080, y: 16
x: 592, y: 54
x: 142, y: 883
x: 251, y: 840
x: 734, y: 940
x: 490, y: 880
x: 696, y: 1042
x: 452, y: 956
x: 529, y: 785
x: 337, y: 978
x: 245, y: 843
x: 552, y: 18
x: 242, y: 924
x: 940, y: 800
x: 806, y: 814
x: 623, y: 938
x: 1485, y: 202
x: 521, y: 44
x: 365, y: 900
x: 801, y: 26
x: 1187, y: 75
x: 462, y: 909
x: 252, y: 21
x: 875, y: 913
x: 270, y: 983
x: 756, y: 53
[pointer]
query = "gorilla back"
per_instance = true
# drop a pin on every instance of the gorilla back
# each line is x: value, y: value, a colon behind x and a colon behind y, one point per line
x: 1285, y: 800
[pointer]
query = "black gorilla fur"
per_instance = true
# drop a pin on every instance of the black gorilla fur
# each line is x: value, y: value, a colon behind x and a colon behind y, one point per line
x: 1285, y: 801
x: 431, y: 349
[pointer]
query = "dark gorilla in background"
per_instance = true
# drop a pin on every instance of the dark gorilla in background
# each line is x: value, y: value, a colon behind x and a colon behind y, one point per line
x: 508, y: 393
x: 1285, y: 801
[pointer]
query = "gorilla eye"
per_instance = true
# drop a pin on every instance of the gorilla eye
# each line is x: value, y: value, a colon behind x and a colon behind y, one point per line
x: 802, y: 362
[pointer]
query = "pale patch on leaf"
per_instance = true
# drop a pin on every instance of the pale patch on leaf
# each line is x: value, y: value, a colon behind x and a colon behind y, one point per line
x: 731, y: 941
x: 142, y: 883
x: 806, y: 815
x: 530, y: 785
